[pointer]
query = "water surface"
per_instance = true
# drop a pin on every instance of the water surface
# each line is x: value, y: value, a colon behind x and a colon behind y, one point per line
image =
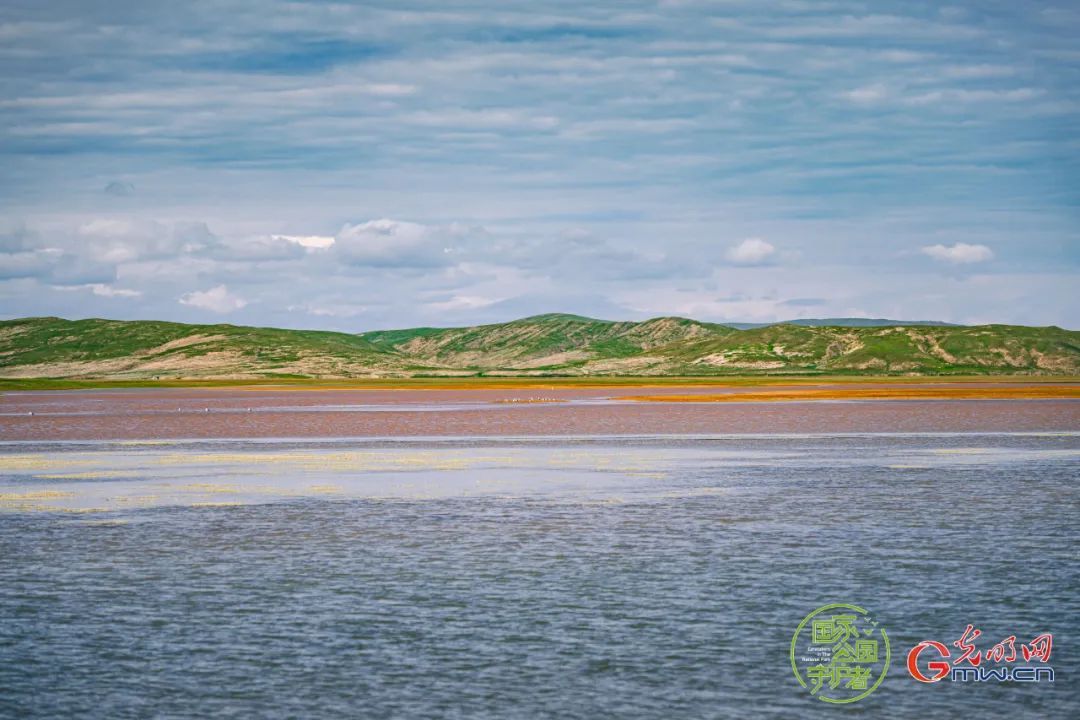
x: 588, y: 577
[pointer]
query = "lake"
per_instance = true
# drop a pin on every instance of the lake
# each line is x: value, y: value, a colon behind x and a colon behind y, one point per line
x: 584, y: 576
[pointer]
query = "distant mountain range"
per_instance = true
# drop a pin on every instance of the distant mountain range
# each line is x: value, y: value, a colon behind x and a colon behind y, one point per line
x: 555, y: 344
x: 841, y: 322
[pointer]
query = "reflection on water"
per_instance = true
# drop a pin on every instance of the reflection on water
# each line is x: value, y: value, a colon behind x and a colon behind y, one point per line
x: 591, y: 577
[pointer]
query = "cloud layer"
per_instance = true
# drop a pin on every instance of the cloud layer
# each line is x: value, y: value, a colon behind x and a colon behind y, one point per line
x: 380, y: 165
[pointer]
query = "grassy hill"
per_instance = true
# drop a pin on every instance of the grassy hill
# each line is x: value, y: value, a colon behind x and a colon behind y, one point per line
x: 542, y: 341
x: 990, y: 349
x: 541, y: 345
x: 52, y: 347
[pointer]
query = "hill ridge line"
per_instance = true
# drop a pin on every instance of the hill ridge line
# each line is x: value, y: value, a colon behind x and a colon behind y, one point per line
x: 552, y: 344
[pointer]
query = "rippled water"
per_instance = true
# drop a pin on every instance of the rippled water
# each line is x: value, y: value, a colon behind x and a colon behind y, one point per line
x: 581, y: 578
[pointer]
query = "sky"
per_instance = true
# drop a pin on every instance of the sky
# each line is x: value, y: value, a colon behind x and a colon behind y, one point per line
x: 360, y: 166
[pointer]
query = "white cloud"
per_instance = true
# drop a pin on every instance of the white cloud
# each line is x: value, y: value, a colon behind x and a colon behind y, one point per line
x: 53, y: 266
x: 489, y: 118
x: 751, y: 251
x: 877, y: 93
x: 330, y: 309
x: 961, y: 96
x: 979, y: 71
x: 118, y: 241
x: 109, y: 291
x: 309, y: 241
x: 463, y: 302
x: 902, y: 56
x: 255, y: 249
x: 24, y: 265
x: 391, y: 243
x: 959, y: 253
x: 217, y: 299
x: 390, y: 89
x: 100, y: 289
x: 868, y: 94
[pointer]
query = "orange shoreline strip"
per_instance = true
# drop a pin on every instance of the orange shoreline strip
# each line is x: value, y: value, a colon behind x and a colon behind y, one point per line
x: 1058, y: 392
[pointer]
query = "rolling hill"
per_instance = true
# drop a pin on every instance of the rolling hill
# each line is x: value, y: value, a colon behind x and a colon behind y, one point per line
x: 542, y: 341
x: 52, y: 347
x: 554, y: 344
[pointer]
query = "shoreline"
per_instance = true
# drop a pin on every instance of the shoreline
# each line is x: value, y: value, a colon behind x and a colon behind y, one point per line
x: 38, y: 384
x: 361, y: 413
x: 1043, y: 392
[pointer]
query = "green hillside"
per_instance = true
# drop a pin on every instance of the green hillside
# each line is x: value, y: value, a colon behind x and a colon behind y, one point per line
x: 542, y: 341
x: 53, y: 347
x: 894, y: 349
x: 541, y: 345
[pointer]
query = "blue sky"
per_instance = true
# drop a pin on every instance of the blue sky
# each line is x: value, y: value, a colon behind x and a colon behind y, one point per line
x: 362, y: 166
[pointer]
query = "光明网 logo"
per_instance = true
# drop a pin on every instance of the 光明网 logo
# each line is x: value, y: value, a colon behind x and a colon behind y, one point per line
x: 931, y: 661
